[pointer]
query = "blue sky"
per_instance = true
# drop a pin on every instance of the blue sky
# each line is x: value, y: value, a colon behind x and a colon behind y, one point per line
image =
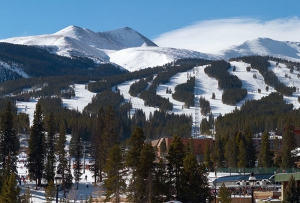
x: 150, y: 18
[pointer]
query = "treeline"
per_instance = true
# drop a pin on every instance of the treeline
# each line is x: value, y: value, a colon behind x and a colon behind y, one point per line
x: 152, y: 178
x: 105, y: 83
x: 36, y: 62
x: 137, y: 87
x: 204, y: 105
x: 262, y: 65
x: 149, y: 96
x: 231, y: 84
x: 265, y: 114
x: 185, y: 93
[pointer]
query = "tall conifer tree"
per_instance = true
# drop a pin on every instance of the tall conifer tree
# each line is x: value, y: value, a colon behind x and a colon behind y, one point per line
x: 9, y: 192
x: 288, y: 146
x: 194, y: 185
x: 61, y: 154
x: 9, y: 143
x: 96, y: 145
x: 36, y: 151
x: 175, y: 158
x: 135, y: 142
x: 115, y: 182
x: 50, y: 162
x: 264, y: 156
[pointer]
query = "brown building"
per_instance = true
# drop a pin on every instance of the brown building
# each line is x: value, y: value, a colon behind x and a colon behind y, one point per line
x: 275, y: 141
x: 199, y: 145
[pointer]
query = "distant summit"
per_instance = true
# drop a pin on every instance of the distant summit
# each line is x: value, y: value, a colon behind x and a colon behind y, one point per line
x: 77, y: 41
x: 264, y: 47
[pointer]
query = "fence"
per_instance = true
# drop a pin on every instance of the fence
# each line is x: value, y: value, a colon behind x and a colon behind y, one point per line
x: 257, y: 170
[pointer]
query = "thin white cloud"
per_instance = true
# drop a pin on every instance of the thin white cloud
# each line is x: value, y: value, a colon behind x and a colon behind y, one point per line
x: 211, y: 36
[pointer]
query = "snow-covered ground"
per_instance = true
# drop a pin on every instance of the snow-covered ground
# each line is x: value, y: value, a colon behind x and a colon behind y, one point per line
x: 81, y: 99
x: 204, y: 86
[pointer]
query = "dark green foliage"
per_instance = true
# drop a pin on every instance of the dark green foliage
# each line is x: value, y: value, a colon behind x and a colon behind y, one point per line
x: 175, y: 158
x: 50, y: 150
x: 218, y: 70
x: 115, y: 183
x: 204, y: 126
x: 77, y: 153
x: 250, y: 148
x: 103, y: 100
x: 164, y: 124
x: 50, y: 192
x: 224, y: 194
x: 264, y: 156
x: 231, y: 84
x: 242, y: 155
x: 39, y: 62
x: 248, y: 68
x: 96, y: 146
x: 137, y: 87
x: 9, y: 192
x: 108, y: 82
x: 110, y: 132
x: 135, y: 142
x: 291, y: 193
x: 145, y: 173
x: 204, y: 105
x: 194, y: 186
x: 288, y: 145
x: 9, y: 142
x: 185, y: 92
x: 154, y: 100
x: 36, y: 147
x: 233, y: 96
x: 255, y: 115
x: 61, y: 154
x: 207, y: 157
x: 160, y: 187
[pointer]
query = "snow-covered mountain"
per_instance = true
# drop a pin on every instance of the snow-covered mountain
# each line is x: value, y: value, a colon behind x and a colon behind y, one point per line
x: 78, y: 41
x: 264, y: 47
x: 131, y: 50
x: 125, y: 47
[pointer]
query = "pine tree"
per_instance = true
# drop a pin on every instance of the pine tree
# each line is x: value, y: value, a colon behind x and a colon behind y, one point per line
x: 264, y: 156
x: 291, y: 192
x: 224, y: 194
x: 110, y: 133
x: 231, y: 153
x: 9, y: 142
x: 288, y: 145
x: 50, y: 192
x: 69, y: 177
x: 36, y: 152
x: 25, y: 198
x: 135, y: 142
x: 242, y: 156
x: 50, y: 150
x: 194, y: 185
x: 61, y: 154
x: 207, y: 157
x: 250, y: 148
x: 77, y: 157
x: 144, y: 172
x: 160, y: 182
x: 175, y: 162
x: 9, y: 192
x: 115, y: 182
x: 96, y: 146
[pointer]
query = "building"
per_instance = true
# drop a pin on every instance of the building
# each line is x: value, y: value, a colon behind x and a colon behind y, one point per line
x: 275, y: 141
x: 199, y: 145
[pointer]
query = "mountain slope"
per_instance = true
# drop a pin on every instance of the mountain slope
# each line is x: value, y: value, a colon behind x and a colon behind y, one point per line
x: 125, y: 47
x: 264, y: 47
x: 76, y: 41
x: 143, y: 57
